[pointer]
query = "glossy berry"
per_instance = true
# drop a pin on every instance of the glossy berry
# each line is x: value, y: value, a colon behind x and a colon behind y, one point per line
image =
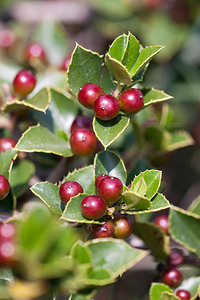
x: 172, y: 277
x: 175, y: 258
x: 183, y: 294
x: 123, y: 228
x: 7, y: 231
x: 102, y: 231
x: 106, y: 107
x: 163, y: 222
x: 82, y: 122
x: 98, y: 179
x: 69, y: 189
x: 7, y: 252
x: 7, y: 38
x: 83, y: 141
x: 35, y: 51
x: 131, y: 101
x: 110, y: 189
x: 66, y: 63
x: 4, y: 187
x: 89, y: 93
x: 6, y: 144
x: 93, y: 207
x: 24, y: 82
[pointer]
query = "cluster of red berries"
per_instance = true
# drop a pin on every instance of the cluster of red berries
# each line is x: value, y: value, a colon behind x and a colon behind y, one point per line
x: 95, y: 207
x: 7, y: 245
x: 107, y: 107
x: 4, y: 187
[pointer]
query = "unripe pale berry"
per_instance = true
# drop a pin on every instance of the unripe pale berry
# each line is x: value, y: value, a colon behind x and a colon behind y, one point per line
x: 83, y: 141
x: 131, y: 101
x: 66, y: 63
x: 93, y: 207
x: 172, y: 277
x: 24, y: 82
x: 6, y: 144
x: 123, y: 228
x: 82, y: 122
x: 110, y: 189
x: 89, y: 93
x: 102, y: 231
x: 98, y: 179
x: 106, y: 107
x: 35, y: 51
x: 175, y: 258
x: 7, y: 231
x: 163, y: 222
x: 183, y: 294
x: 4, y: 187
x: 69, y: 189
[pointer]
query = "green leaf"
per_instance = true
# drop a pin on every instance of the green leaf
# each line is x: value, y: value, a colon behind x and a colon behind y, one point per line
x: 83, y: 296
x: 20, y: 176
x: 52, y: 37
x: 169, y: 296
x: 191, y: 285
x: 85, y: 177
x: 159, y: 202
x: 118, y: 48
x: 72, y: 212
x: 49, y: 194
x: 157, y: 289
x: 114, y: 255
x: 134, y: 200
x: 60, y: 113
x: 108, y: 131
x: 154, y: 238
x: 132, y: 51
x: 179, y: 139
x: 185, y: 228
x: 6, y: 162
x: 157, y: 137
x: 140, y: 187
x: 40, y: 139
x: 152, y: 179
x: 80, y: 253
x: 152, y: 96
x: 108, y: 162
x: 195, y: 206
x: 39, y: 101
x: 118, y: 70
x: 85, y: 67
x: 144, y: 57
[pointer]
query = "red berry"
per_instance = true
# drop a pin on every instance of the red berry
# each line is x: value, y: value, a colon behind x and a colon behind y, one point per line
x: 7, y: 251
x: 102, y: 231
x: 69, y: 189
x: 7, y: 231
x: 93, y: 207
x: 110, y: 189
x: 7, y: 38
x: 6, y: 144
x: 82, y: 122
x: 172, y: 277
x: 66, y: 63
x: 83, y: 141
x: 131, y: 101
x: 163, y: 222
x: 175, y: 258
x: 89, y: 93
x: 35, y: 51
x: 123, y: 228
x: 183, y: 294
x: 106, y: 107
x: 4, y: 187
x: 24, y: 82
x: 98, y: 179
